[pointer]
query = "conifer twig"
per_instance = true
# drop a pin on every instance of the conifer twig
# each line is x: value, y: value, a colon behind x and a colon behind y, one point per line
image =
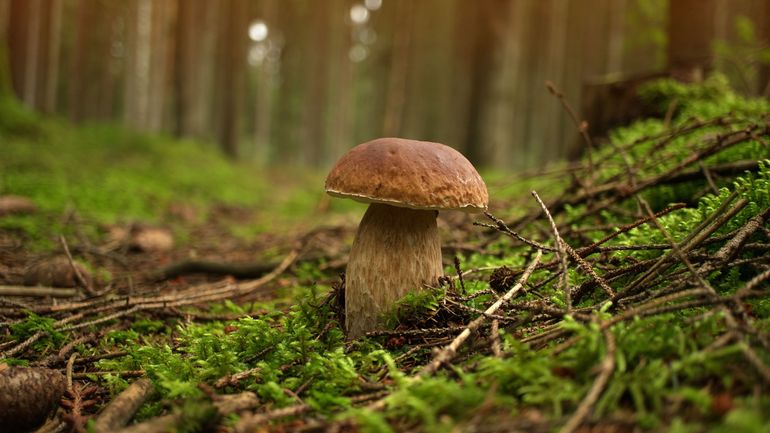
x: 121, y: 409
x: 561, y: 253
x: 450, y: 350
x: 605, y: 371
x: 79, y: 275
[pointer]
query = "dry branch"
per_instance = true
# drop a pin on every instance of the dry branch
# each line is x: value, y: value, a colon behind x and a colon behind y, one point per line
x: 605, y: 371
x: 446, y: 354
x: 54, y: 292
x: 225, y: 405
x: 120, y: 410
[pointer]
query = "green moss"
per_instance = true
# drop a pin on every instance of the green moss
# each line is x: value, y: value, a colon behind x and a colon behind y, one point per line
x: 661, y: 361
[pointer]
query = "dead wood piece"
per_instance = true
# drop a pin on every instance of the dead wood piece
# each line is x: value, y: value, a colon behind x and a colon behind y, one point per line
x: 494, y: 336
x: 730, y: 249
x: 250, y: 422
x: 28, y: 396
x: 38, y: 292
x: 55, y: 272
x: 200, y: 294
x: 120, y: 410
x: 234, y: 379
x: 225, y: 405
x: 239, y: 271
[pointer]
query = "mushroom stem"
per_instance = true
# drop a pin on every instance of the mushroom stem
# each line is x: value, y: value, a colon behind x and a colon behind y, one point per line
x: 396, y: 251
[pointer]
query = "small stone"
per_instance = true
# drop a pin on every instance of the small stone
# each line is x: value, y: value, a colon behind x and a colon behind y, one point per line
x: 149, y: 239
x: 14, y: 205
x: 28, y: 396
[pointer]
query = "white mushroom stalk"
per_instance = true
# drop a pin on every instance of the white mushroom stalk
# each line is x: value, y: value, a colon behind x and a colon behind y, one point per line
x: 397, y: 248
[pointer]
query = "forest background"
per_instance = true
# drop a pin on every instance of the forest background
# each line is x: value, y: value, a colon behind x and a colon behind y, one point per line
x: 279, y: 81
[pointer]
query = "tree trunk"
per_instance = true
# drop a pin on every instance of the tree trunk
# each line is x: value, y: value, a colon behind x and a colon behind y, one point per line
x: 158, y: 65
x: 6, y: 89
x: 616, y: 36
x: 316, y: 75
x: 763, y: 79
x: 32, y: 58
x: 486, y: 24
x: 691, y: 29
x: 399, y: 69
x: 341, y: 83
x: 138, y: 64
x: 79, y: 60
x: 183, y: 74
x: 232, y: 50
x: 556, y: 61
x: 18, y: 28
x: 264, y: 83
x: 501, y: 131
x: 53, y: 56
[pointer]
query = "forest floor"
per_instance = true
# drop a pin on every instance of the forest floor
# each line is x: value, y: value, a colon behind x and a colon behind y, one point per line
x: 628, y: 292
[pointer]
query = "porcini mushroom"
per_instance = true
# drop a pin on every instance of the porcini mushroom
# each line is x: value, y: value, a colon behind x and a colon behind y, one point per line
x: 397, y: 247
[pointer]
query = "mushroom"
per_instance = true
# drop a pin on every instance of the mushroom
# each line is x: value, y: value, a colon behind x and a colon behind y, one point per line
x: 397, y: 247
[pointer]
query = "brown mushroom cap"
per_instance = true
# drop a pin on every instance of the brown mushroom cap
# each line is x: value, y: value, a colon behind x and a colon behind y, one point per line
x: 408, y: 173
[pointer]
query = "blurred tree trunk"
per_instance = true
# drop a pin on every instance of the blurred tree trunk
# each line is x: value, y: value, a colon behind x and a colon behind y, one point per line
x: 399, y: 67
x: 32, y: 58
x: 6, y: 89
x: 194, y: 54
x: 557, y: 14
x: 263, y: 110
x: 488, y: 23
x: 616, y: 36
x: 534, y: 95
x: 316, y: 76
x: 341, y: 84
x: 21, y: 14
x: 428, y: 87
x: 763, y: 79
x: 691, y: 30
x: 159, y: 62
x: 138, y: 64
x: 459, y: 72
x: 232, y: 51
x: 183, y: 65
x: 53, y: 51
x: 80, y: 61
x: 504, y: 119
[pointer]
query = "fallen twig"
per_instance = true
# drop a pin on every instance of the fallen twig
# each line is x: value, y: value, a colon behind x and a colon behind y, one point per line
x: 225, y: 405
x: 83, y: 281
x: 121, y: 409
x: 605, y: 371
x: 561, y: 252
x: 450, y: 350
x: 54, y: 292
